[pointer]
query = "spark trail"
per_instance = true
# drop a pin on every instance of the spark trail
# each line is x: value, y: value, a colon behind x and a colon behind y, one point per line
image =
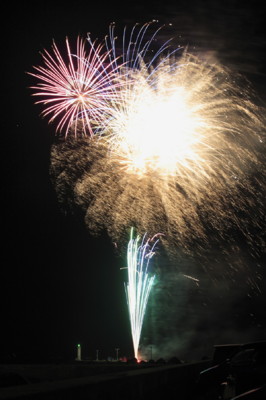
x: 139, y: 283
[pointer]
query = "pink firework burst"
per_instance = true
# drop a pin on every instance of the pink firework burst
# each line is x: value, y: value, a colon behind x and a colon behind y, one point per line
x: 78, y: 91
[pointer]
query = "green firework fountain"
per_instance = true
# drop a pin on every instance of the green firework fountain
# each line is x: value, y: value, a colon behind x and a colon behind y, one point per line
x: 139, y: 283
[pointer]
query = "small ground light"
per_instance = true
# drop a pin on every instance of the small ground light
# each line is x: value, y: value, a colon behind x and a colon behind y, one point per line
x: 78, y: 358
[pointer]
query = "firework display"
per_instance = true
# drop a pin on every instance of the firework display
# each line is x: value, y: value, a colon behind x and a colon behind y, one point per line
x: 139, y: 283
x: 162, y: 140
x: 181, y: 151
x: 76, y: 92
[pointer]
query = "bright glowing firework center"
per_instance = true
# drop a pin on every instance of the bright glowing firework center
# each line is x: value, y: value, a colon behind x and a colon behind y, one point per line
x: 139, y: 283
x: 157, y: 129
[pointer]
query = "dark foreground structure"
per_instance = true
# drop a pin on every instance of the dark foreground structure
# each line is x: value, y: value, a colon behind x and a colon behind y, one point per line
x: 141, y: 382
x: 235, y: 372
x: 238, y: 372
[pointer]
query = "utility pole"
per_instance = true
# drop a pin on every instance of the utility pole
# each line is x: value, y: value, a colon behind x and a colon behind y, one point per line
x: 117, y: 350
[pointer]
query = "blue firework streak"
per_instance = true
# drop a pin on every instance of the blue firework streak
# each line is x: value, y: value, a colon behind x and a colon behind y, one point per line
x: 139, y: 283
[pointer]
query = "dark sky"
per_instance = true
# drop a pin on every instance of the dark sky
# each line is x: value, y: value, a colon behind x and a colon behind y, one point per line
x: 60, y: 286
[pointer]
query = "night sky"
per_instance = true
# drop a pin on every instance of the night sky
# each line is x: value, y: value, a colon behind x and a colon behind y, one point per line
x: 60, y: 285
